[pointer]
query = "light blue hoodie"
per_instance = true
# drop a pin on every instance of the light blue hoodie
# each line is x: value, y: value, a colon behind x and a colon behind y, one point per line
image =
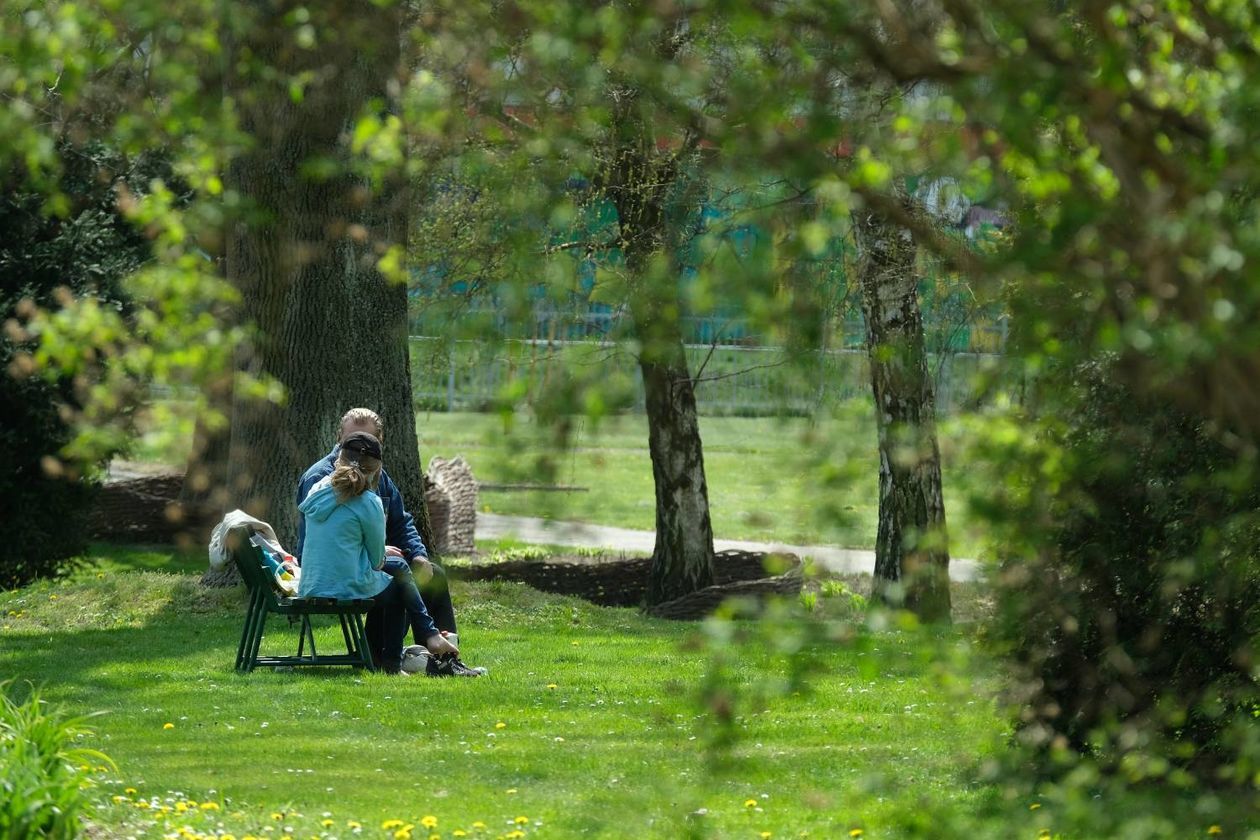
x: 345, y: 545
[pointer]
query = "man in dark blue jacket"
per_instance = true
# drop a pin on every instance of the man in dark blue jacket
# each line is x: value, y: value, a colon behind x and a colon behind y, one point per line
x: 402, y: 540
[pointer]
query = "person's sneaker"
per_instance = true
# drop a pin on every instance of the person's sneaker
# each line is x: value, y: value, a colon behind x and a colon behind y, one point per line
x: 462, y: 670
x: 449, y: 665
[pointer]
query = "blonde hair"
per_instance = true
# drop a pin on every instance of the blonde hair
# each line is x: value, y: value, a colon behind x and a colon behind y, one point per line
x: 359, y: 416
x: 354, y: 474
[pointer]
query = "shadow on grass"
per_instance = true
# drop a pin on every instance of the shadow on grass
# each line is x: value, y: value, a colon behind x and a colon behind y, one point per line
x: 126, y: 612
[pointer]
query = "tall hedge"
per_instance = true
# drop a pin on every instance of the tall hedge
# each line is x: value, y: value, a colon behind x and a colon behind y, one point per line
x: 85, y: 250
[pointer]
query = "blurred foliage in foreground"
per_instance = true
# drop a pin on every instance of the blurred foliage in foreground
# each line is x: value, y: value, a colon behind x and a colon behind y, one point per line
x: 1121, y: 139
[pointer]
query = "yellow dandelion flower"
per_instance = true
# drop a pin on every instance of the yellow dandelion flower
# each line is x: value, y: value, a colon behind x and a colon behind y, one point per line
x: 389, y: 825
x: 142, y: 805
x: 227, y: 837
x: 479, y: 825
x: 209, y: 806
x: 459, y: 832
x: 750, y: 803
x: 181, y: 807
x: 326, y: 823
x: 428, y: 821
x: 435, y: 837
x: 500, y: 725
x: 1214, y: 829
x: 1034, y: 806
x: 511, y: 790
x: 168, y: 726
x: 552, y: 685
x: 351, y: 824
x: 192, y: 803
x: 286, y: 837
x: 277, y: 816
x: 130, y: 791
x: 857, y: 832
x: 402, y: 834
x: 765, y: 835
x: 521, y: 820
x: 117, y: 798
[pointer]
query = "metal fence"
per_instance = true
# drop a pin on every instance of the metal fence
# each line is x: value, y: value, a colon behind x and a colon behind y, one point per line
x: 953, y: 332
x: 731, y: 379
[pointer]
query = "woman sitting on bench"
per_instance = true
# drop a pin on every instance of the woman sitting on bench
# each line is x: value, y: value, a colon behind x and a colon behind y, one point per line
x: 345, y: 553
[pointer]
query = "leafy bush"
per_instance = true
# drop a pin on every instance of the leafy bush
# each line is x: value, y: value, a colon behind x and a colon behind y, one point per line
x: 43, y: 258
x: 1134, y: 628
x: 44, y: 778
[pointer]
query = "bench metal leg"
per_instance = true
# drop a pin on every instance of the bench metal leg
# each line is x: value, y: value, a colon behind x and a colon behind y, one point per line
x: 249, y: 620
x: 361, y: 642
x: 306, y: 632
x: 254, y: 616
x: 353, y: 633
x: 256, y: 641
x: 345, y: 634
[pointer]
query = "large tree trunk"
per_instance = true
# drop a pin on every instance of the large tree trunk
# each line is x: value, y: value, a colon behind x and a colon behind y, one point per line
x: 911, y: 550
x: 384, y: 382
x: 331, y: 330
x: 204, y: 497
x: 639, y: 178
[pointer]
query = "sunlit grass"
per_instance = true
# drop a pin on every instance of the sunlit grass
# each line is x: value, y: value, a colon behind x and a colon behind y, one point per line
x: 792, y: 480
x: 788, y: 480
x: 593, y: 722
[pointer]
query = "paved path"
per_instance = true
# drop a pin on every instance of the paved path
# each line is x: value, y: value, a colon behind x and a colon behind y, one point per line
x: 529, y: 529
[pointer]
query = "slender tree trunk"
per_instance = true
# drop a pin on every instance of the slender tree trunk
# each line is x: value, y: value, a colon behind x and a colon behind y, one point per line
x: 639, y: 179
x: 682, y: 559
x: 911, y: 550
x: 330, y: 328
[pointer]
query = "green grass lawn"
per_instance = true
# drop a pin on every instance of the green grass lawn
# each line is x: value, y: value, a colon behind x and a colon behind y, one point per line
x: 594, y: 722
x: 788, y: 480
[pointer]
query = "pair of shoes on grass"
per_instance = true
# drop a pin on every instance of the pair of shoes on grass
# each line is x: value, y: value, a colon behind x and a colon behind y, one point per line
x: 417, y: 660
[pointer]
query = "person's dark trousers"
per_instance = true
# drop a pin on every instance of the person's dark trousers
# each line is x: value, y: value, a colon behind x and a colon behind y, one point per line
x: 437, y: 597
x: 436, y: 594
x: 386, y: 626
x: 374, y: 629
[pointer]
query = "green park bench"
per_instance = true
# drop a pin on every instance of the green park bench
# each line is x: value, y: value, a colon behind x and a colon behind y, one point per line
x: 265, y: 600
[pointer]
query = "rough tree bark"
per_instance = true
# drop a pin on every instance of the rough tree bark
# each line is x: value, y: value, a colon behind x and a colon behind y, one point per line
x: 911, y: 550
x: 638, y: 179
x: 682, y: 559
x: 204, y: 497
x: 330, y: 328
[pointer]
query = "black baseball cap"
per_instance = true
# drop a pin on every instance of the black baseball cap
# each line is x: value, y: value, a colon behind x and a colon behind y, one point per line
x: 363, y: 444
